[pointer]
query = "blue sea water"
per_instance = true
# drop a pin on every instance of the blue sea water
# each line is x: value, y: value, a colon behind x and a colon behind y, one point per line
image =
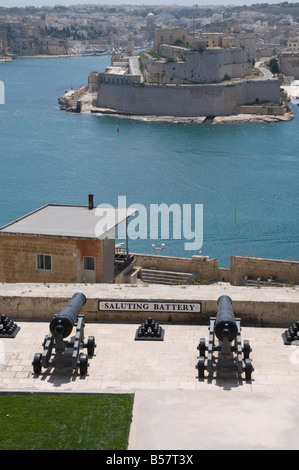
x: 51, y: 156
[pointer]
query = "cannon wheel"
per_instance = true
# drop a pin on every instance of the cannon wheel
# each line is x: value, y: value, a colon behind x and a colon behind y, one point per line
x: 248, y: 369
x: 202, y: 347
x: 90, y: 345
x: 37, y: 363
x: 201, y: 366
x: 246, y: 349
x: 83, y: 364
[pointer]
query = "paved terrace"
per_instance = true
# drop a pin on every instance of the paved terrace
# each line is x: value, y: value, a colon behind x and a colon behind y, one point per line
x: 173, y: 408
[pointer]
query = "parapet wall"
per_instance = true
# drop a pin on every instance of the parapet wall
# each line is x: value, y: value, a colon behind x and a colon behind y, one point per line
x: 277, y: 306
x: 205, y: 268
x: 283, y: 271
x: 184, y: 100
x: 242, y: 268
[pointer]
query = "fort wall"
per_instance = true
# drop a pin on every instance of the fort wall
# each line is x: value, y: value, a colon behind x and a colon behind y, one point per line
x: 289, y: 64
x: 205, y: 66
x: 182, y: 100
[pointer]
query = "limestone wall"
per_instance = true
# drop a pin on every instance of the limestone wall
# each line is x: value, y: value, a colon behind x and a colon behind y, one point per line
x: 263, y: 110
x: 38, y: 302
x: 51, y: 46
x: 117, y: 79
x: 205, y: 268
x: 18, y: 259
x: 93, y: 82
x: 185, y: 100
x: 199, y: 66
x: 289, y: 64
x: 277, y: 270
x: 169, y: 36
x: 241, y: 267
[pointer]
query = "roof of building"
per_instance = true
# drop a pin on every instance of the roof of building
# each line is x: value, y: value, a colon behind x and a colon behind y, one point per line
x: 69, y: 221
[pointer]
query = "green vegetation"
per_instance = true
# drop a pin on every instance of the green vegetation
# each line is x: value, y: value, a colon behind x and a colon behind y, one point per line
x: 65, y: 422
x: 55, y: 33
x: 273, y: 65
x: 155, y: 55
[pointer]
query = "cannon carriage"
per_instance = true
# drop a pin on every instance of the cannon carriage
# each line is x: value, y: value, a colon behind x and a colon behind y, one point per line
x: 61, y: 326
x: 232, y: 357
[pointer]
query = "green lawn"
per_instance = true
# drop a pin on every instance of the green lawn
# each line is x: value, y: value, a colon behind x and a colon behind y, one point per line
x: 65, y: 422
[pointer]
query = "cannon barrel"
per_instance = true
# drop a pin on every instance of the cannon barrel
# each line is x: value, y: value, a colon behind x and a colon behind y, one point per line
x: 225, y: 323
x: 64, y: 321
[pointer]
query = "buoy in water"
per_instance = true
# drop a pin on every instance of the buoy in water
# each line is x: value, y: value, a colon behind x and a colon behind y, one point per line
x: 117, y: 130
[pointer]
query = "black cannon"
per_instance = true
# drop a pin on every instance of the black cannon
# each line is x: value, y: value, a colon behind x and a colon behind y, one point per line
x: 61, y: 327
x: 232, y: 357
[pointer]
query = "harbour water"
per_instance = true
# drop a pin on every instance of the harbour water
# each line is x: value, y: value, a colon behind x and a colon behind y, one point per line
x: 245, y: 175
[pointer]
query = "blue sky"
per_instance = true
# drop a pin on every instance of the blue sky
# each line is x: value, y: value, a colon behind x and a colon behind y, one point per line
x: 39, y: 3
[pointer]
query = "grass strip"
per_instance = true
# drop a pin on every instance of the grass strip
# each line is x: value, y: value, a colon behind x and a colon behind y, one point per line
x: 65, y: 422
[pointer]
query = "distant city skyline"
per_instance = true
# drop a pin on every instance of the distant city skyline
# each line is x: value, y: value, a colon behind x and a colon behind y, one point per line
x: 52, y: 3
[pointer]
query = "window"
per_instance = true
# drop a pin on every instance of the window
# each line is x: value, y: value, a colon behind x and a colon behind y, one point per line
x: 44, y: 262
x: 89, y: 263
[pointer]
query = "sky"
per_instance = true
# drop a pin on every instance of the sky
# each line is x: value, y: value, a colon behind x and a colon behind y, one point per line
x: 39, y: 3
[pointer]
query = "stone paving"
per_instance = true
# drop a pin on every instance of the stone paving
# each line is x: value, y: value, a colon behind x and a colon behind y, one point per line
x: 121, y: 364
x: 152, y: 368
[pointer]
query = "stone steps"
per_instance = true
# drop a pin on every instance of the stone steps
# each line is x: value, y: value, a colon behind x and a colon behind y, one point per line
x: 158, y: 276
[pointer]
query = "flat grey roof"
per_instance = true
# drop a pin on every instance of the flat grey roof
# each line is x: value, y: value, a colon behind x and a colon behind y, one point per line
x: 69, y: 221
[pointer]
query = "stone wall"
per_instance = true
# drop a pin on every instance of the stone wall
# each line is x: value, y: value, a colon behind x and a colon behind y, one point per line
x: 185, y: 100
x: 266, y: 269
x: 52, y: 46
x: 263, y: 110
x: 93, y: 82
x: 206, y: 269
x: 117, y: 79
x: 38, y: 302
x: 241, y: 267
x: 207, y: 66
x: 169, y: 36
x: 289, y: 64
x: 18, y: 259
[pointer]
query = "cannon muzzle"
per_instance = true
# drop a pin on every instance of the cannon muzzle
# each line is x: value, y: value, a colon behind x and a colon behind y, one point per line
x: 64, y: 321
x: 225, y: 324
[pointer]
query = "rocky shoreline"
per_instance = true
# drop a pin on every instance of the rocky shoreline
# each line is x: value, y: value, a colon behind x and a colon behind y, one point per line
x: 80, y: 100
x: 5, y: 59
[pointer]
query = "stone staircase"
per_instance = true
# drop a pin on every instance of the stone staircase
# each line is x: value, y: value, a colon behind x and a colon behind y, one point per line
x: 159, y: 276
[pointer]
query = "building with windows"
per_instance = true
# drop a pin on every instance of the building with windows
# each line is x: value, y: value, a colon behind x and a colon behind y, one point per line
x: 183, y: 77
x: 64, y: 243
x: 293, y: 44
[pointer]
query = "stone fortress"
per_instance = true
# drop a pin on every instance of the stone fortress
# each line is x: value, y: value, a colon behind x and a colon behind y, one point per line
x: 184, y: 77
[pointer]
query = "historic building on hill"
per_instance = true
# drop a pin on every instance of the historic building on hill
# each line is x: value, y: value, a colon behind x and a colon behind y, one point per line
x: 185, y: 76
